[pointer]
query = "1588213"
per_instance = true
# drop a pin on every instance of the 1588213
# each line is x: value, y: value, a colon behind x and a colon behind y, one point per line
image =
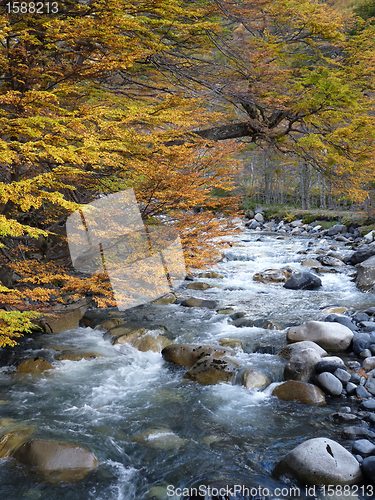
x: 32, y: 7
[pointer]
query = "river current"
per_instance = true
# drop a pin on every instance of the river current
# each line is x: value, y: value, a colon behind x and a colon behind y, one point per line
x: 231, y: 436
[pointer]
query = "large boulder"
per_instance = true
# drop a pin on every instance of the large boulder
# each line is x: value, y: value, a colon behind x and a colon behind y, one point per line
x: 272, y: 276
x: 209, y: 370
x: 56, y: 461
x: 320, y: 461
x: 330, y: 336
x: 365, y: 279
x: 303, y: 281
x: 293, y: 390
x: 189, y: 354
x: 64, y: 317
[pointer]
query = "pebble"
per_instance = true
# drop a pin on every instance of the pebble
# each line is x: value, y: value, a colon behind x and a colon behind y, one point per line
x: 350, y: 388
x: 342, y: 375
x: 368, y: 405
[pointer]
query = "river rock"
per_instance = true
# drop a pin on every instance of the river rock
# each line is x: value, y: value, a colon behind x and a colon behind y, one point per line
x: 57, y: 461
x: 231, y: 342
x: 209, y: 370
x: 328, y: 366
x: 252, y: 378
x: 193, y: 302
x: 151, y: 343
x: 370, y: 385
x: 64, y: 317
x: 189, y: 354
x: 160, y: 439
x: 336, y: 229
x: 357, y: 432
x: 368, y: 405
x: 109, y: 323
x: 320, y: 461
x: 361, y: 392
x: 330, y: 336
x: 368, y: 468
x: 369, y: 363
x: 259, y: 217
x: 343, y: 320
x: 310, y: 263
x: 363, y: 447
x: 34, y: 365
x: 13, y: 434
x: 342, y: 375
x: 211, y: 274
x: 330, y: 383
x: 301, y: 365
x: 365, y: 279
x: 77, y: 356
x: 361, y: 341
x: 303, y: 281
x: 291, y: 349
x: 362, y: 254
x: 123, y: 331
x: 169, y: 298
x: 303, y: 392
x: 198, y: 285
x: 272, y: 276
x: 327, y: 260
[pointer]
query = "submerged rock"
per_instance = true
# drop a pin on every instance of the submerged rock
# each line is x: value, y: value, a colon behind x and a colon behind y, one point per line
x: 211, y: 274
x: 34, y: 365
x: 57, y: 461
x: 292, y: 390
x: 198, y: 285
x: 303, y: 281
x: 160, y: 439
x: 330, y: 336
x: 320, y: 461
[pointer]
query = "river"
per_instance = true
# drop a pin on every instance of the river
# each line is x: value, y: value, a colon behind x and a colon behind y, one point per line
x: 232, y: 436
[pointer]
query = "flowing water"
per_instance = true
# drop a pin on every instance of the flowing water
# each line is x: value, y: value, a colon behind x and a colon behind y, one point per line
x: 232, y: 436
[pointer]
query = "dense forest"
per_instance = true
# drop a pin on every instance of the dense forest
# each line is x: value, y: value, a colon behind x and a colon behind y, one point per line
x: 193, y: 104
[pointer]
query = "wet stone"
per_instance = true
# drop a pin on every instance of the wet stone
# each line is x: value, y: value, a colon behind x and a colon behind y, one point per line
x: 328, y: 366
x: 350, y: 388
x: 358, y: 432
x: 366, y: 353
x: 368, y: 468
x: 345, y: 417
x: 362, y: 393
x: 363, y: 447
x: 355, y: 378
x: 370, y: 385
x: 342, y: 375
x: 368, y: 405
x: 330, y: 383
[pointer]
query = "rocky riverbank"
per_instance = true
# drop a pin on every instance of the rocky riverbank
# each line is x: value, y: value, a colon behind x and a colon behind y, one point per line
x: 322, y: 362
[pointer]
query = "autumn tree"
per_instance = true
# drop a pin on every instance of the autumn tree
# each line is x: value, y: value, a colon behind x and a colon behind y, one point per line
x: 291, y: 76
x: 72, y: 130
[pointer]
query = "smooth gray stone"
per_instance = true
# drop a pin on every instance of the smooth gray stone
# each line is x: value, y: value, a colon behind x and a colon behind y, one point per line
x: 350, y: 388
x: 370, y: 385
x: 363, y: 447
x: 330, y: 384
x: 362, y: 393
x: 342, y: 375
x: 368, y: 405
